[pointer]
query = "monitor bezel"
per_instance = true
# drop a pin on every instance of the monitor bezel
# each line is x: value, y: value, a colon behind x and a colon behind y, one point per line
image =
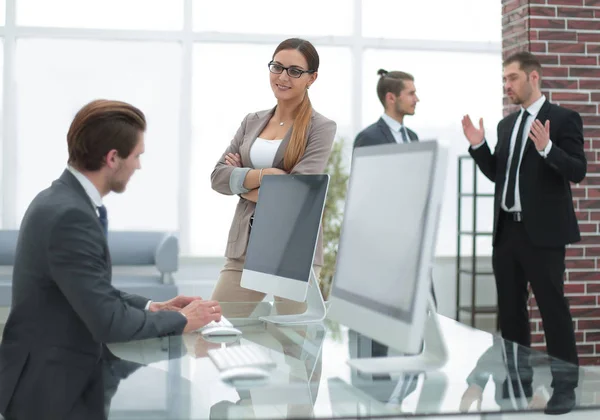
x: 423, y: 267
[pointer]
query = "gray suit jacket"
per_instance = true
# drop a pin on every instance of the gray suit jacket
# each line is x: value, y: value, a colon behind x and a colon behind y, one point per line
x: 64, y: 306
x: 321, y: 132
x: 379, y: 133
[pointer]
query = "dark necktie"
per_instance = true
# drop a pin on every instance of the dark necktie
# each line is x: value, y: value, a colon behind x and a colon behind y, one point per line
x: 403, y: 132
x: 103, y: 217
x: 514, y: 163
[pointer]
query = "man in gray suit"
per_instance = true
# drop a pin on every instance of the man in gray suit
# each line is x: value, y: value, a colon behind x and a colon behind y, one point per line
x: 398, y: 95
x: 64, y: 307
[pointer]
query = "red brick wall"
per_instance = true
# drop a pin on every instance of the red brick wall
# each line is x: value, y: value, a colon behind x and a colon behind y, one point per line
x: 565, y: 36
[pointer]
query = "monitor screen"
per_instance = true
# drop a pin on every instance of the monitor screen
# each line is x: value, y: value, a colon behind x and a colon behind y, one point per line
x: 286, y: 225
x: 383, y: 228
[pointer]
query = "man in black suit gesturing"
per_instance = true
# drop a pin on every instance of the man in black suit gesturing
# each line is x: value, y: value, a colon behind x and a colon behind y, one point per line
x: 398, y: 95
x: 539, y: 152
x: 64, y: 307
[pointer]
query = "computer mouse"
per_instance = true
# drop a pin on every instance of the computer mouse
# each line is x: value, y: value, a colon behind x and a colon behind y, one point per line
x: 244, y: 373
x: 220, y: 330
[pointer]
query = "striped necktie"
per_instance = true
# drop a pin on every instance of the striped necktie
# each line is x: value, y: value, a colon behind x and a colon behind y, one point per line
x: 403, y: 132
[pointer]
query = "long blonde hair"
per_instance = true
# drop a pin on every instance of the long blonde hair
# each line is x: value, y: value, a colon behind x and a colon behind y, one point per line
x: 297, y: 145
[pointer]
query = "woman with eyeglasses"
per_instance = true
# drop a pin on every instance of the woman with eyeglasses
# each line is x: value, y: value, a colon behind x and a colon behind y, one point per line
x: 290, y: 138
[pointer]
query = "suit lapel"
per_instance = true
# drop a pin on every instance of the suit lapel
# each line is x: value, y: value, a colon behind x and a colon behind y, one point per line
x: 69, y: 179
x: 507, y: 134
x: 278, y: 160
x: 385, y: 129
x: 412, y: 135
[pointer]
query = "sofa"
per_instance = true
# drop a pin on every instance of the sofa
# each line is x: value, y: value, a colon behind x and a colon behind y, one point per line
x: 143, y: 263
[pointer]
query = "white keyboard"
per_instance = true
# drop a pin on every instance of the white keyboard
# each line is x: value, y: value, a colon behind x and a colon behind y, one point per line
x: 241, y: 356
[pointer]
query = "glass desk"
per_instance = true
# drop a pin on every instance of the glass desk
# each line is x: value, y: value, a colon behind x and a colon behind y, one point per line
x: 174, y: 378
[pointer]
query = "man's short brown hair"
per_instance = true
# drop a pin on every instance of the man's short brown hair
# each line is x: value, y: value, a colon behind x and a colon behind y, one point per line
x: 100, y: 127
x: 391, y: 81
x: 527, y: 62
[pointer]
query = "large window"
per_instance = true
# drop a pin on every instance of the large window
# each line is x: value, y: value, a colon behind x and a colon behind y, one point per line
x: 229, y: 82
x: 449, y: 85
x: 197, y: 67
x: 331, y: 94
x: 102, y: 14
x: 306, y: 18
x: 56, y: 77
x: 448, y: 20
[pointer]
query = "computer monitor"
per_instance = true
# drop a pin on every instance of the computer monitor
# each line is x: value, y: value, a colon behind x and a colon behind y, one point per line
x: 386, y: 252
x: 283, y: 239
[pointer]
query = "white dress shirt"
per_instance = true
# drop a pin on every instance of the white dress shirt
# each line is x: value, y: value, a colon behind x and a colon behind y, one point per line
x: 89, y: 188
x: 395, y: 128
x: 93, y: 194
x: 533, y: 111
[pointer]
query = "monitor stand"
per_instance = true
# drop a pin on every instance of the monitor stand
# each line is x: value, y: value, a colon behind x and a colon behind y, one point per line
x: 315, y: 307
x: 433, y: 357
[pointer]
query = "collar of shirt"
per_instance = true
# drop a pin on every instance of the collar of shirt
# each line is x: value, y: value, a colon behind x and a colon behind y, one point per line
x: 535, y: 107
x: 87, y: 185
x: 392, y: 123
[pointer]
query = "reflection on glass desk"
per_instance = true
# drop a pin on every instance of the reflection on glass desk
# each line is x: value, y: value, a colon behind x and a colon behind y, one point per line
x: 174, y: 378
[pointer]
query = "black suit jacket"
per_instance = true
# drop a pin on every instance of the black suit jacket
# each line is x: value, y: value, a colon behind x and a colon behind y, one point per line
x: 544, y: 183
x: 379, y: 133
x: 64, y: 306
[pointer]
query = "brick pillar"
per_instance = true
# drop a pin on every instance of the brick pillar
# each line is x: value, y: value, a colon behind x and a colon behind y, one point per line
x: 565, y: 36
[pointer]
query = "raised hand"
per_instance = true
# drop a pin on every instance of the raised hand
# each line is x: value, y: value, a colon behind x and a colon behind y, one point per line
x: 473, y: 134
x: 540, y: 134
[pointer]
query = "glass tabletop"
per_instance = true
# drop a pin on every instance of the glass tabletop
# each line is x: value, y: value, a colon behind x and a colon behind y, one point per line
x: 174, y: 377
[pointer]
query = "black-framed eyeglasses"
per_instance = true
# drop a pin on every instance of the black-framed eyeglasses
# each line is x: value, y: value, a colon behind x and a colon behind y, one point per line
x: 294, y: 72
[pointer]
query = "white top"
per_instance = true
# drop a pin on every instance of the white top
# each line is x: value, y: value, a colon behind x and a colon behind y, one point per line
x: 395, y: 128
x: 262, y: 153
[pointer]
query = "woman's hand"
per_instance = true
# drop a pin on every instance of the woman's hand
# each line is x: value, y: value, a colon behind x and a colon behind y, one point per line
x: 233, y: 159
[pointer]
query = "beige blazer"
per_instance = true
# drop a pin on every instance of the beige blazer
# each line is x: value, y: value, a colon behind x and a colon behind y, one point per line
x: 318, y: 148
